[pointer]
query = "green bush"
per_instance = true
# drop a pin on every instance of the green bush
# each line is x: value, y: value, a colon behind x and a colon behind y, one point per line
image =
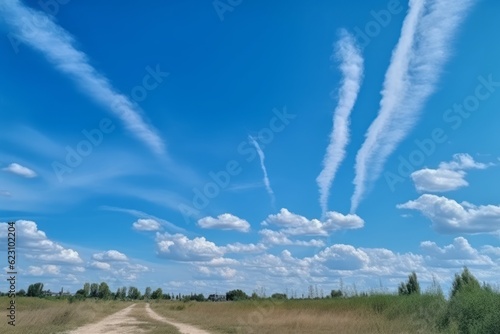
x: 473, y: 312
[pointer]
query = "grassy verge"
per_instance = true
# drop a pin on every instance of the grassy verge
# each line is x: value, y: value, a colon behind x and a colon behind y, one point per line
x: 372, y: 314
x: 44, y: 316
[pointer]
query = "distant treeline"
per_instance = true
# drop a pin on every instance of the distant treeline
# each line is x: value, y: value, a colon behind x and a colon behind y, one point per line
x: 102, y: 291
x: 471, y: 308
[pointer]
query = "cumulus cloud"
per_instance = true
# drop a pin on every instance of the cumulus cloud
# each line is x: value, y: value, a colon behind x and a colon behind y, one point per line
x: 224, y: 273
x: 271, y: 237
x: 460, y: 253
x: 244, y: 248
x: 342, y: 257
x: 146, y: 225
x: 462, y: 161
x: 45, y: 270
x: 494, y: 251
x: 225, y: 221
x: 180, y: 248
x: 221, y: 261
x: 438, y: 180
x: 100, y: 265
x: 449, y: 216
x: 294, y: 224
x: 110, y: 255
x: 448, y: 176
x: 17, y: 169
x: 37, y: 246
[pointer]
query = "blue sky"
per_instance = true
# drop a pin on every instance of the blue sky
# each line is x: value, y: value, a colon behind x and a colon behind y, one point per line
x: 202, y: 147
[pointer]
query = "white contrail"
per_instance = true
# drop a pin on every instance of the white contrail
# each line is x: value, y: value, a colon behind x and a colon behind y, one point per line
x: 39, y: 31
x: 416, y: 64
x: 351, y: 66
x: 264, y: 170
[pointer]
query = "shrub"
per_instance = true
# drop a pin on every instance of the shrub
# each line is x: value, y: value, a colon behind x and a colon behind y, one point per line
x: 411, y: 287
x: 475, y: 311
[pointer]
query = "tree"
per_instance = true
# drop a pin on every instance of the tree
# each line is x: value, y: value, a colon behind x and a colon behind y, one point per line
x: 86, y: 289
x: 80, y: 294
x: 94, y: 290
x: 336, y: 293
x: 411, y: 287
x: 147, y: 293
x: 35, y: 290
x: 279, y: 296
x: 464, y: 282
x: 21, y: 293
x: 123, y: 293
x: 198, y: 297
x: 157, y: 294
x: 133, y: 293
x: 236, y: 295
x: 103, y: 291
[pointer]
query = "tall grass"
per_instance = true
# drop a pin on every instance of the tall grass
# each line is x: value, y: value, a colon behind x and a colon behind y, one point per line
x: 44, y: 316
x: 370, y: 314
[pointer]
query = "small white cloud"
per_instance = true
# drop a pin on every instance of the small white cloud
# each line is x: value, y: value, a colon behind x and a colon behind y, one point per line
x: 146, y: 225
x: 100, y: 265
x: 35, y: 271
x: 225, y: 221
x: 62, y: 255
x: 449, y: 176
x: 438, y: 180
x: 336, y: 221
x: 111, y: 255
x: 20, y: 170
x: 342, y: 257
x: 180, y: 248
x: 224, y: 273
x: 221, y: 261
x: 462, y: 161
x: 279, y: 238
x: 244, y: 248
x: 50, y: 270
x: 448, y: 216
x: 293, y: 224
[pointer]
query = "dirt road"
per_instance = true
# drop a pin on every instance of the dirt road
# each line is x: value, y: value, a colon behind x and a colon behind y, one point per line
x: 183, y: 328
x: 122, y: 323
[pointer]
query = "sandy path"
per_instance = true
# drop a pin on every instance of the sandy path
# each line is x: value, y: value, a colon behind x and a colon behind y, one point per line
x: 117, y: 323
x: 183, y: 328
